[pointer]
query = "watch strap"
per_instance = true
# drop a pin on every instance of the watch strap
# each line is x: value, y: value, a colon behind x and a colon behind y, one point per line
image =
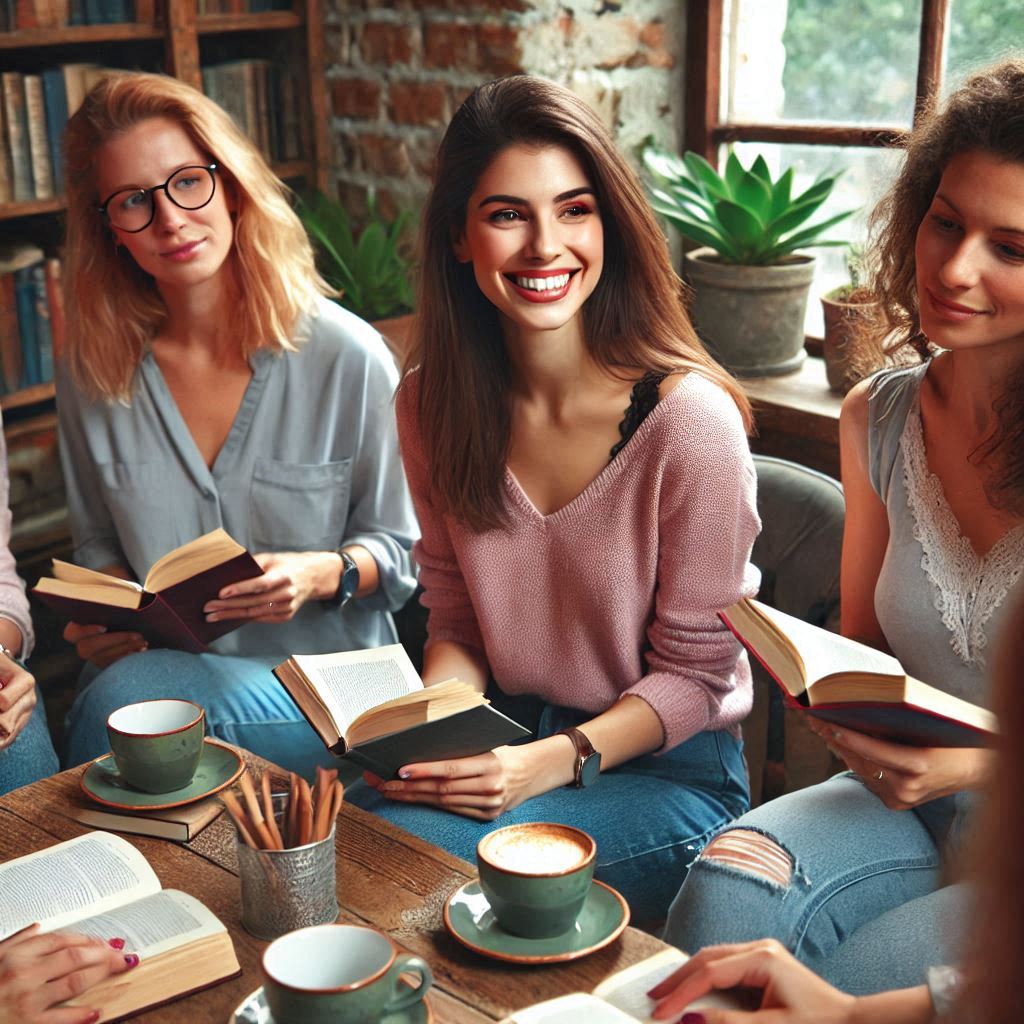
x: 348, y: 581
x: 584, y: 751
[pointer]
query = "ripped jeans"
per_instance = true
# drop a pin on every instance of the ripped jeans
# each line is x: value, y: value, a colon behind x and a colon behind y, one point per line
x: 854, y: 892
x: 650, y: 816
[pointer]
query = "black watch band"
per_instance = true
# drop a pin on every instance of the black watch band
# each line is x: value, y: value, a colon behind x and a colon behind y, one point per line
x: 588, y: 760
x: 348, y: 582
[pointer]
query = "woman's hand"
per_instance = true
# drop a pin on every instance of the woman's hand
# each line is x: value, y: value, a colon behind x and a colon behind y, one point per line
x: 289, y: 580
x: 17, y: 699
x: 39, y: 971
x: 484, y: 786
x: 903, y: 777
x: 95, y: 644
x: 785, y: 985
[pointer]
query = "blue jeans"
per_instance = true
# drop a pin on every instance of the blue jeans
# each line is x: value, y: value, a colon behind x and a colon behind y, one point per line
x: 31, y: 756
x: 865, y: 906
x: 650, y: 816
x: 244, y: 702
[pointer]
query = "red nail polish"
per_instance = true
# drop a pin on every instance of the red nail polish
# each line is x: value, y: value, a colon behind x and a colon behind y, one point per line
x: 132, y: 960
x: 93, y: 1017
x: 115, y: 943
x: 692, y: 1018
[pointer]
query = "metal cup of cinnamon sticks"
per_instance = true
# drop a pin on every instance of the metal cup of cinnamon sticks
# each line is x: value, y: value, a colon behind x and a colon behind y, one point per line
x: 286, y: 859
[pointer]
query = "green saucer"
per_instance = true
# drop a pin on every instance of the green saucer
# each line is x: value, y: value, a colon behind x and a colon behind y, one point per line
x: 254, y: 1010
x: 219, y: 766
x: 469, y: 918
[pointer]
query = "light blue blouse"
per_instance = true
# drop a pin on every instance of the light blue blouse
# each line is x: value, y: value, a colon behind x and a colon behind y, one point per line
x: 311, y: 463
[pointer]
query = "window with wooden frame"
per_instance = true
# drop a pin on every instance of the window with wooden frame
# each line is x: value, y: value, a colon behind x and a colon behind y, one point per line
x: 824, y: 85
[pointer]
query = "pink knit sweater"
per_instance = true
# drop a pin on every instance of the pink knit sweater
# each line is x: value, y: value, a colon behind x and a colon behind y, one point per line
x: 616, y: 592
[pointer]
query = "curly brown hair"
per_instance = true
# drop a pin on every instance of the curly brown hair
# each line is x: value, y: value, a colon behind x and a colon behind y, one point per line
x: 986, y: 113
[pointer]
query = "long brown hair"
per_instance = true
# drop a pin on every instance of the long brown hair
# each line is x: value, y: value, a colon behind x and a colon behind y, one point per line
x: 986, y: 113
x: 995, y: 948
x: 114, y: 305
x: 635, y: 318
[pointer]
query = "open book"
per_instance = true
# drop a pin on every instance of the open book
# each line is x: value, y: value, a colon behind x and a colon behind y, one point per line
x: 167, y: 609
x: 372, y: 708
x: 107, y: 889
x: 622, y: 997
x: 853, y: 685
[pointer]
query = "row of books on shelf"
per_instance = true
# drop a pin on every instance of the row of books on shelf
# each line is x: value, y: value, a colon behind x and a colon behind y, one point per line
x: 33, y: 115
x: 32, y: 322
x: 17, y: 15
x: 243, y: 6
x: 263, y: 99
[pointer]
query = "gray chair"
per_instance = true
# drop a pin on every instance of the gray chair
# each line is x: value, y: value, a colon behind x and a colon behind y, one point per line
x: 798, y: 553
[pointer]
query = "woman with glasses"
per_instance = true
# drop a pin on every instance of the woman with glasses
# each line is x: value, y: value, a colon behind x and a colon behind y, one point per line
x: 208, y: 383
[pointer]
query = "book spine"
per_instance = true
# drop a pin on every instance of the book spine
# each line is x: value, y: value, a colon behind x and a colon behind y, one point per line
x: 55, y: 298
x: 25, y: 298
x: 55, y: 100
x: 44, y: 331
x: 13, y: 83
x: 6, y: 171
x: 10, y: 338
x: 26, y: 15
x: 38, y: 144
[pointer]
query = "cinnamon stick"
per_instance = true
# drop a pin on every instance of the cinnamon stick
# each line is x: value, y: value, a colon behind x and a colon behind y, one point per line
x: 234, y: 809
x: 268, y: 812
x: 305, y: 813
x: 261, y: 832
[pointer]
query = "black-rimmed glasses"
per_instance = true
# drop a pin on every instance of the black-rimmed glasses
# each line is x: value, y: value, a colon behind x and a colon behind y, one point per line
x: 133, y: 209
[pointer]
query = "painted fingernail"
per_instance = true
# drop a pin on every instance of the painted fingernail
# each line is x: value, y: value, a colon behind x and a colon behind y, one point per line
x: 92, y: 1018
x: 131, y: 959
x: 115, y: 943
x: 692, y: 1018
x: 405, y: 774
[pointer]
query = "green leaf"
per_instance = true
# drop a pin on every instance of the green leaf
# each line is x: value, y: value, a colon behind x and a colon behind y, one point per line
x: 701, y: 171
x: 661, y: 164
x: 810, y: 236
x: 760, y: 168
x: 695, y: 230
x: 781, y: 192
x: 734, y: 173
x: 739, y: 224
x: 799, y: 211
x: 754, y: 195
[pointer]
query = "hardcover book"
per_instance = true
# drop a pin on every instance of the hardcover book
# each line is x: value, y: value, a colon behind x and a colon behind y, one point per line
x: 839, y: 680
x: 372, y: 708
x: 38, y: 143
x: 167, y: 609
x: 178, y: 823
x: 106, y: 888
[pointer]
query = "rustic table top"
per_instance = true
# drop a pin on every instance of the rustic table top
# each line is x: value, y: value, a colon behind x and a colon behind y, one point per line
x: 386, y: 878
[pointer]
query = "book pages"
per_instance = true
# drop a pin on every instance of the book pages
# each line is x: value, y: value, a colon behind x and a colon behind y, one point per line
x: 570, y: 1009
x: 56, y: 886
x: 154, y: 924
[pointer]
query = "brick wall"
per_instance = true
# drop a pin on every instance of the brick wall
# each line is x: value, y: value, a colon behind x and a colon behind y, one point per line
x: 397, y: 71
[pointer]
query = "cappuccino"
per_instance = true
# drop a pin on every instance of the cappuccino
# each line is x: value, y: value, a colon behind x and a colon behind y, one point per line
x: 536, y: 849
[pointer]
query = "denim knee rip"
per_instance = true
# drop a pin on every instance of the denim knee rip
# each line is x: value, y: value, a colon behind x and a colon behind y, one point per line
x: 754, y: 854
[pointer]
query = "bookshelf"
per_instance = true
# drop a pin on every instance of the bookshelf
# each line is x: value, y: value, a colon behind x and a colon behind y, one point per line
x: 174, y: 37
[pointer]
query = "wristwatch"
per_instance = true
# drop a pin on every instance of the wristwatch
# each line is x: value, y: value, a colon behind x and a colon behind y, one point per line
x: 348, y: 584
x: 588, y: 760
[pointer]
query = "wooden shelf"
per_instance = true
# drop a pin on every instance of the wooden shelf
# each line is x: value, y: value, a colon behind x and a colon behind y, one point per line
x: 113, y: 33
x: 33, y: 208
x: 208, y: 24
x: 28, y: 396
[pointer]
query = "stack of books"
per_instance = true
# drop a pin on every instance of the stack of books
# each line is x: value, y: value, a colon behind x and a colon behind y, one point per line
x: 32, y: 325
x: 18, y: 15
x: 34, y: 112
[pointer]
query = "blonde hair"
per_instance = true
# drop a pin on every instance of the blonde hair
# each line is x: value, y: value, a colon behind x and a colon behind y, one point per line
x: 113, y: 304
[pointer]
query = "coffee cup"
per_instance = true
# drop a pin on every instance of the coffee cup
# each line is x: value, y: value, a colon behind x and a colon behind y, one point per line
x: 338, y: 973
x: 536, y: 876
x: 157, y: 744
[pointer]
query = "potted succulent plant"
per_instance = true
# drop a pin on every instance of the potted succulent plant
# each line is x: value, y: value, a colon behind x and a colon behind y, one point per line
x: 750, y: 281
x: 370, y: 268
x: 853, y: 327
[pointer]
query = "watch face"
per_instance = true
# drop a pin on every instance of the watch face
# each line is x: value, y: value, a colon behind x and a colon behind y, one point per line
x: 590, y: 769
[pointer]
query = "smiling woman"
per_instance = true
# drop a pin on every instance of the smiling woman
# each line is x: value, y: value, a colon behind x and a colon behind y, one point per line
x: 203, y: 348
x: 582, y: 479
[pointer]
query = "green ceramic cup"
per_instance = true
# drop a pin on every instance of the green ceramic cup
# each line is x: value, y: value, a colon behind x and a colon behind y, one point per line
x: 157, y: 744
x: 536, y: 876
x: 338, y: 974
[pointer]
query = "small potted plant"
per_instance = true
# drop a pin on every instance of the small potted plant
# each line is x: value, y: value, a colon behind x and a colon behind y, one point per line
x: 370, y: 268
x: 853, y: 327
x: 750, y: 281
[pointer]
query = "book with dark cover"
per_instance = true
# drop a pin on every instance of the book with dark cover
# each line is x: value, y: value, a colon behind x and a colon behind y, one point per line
x: 55, y: 100
x: 10, y: 337
x: 25, y: 300
x: 842, y: 681
x: 180, y: 824
x: 372, y: 708
x: 168, y: 609
x: 44, y: 330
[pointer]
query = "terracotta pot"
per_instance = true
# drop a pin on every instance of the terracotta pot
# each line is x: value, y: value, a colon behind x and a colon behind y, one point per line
x: 751, y: 318
x: 397, y: 332
x: 850, y: 345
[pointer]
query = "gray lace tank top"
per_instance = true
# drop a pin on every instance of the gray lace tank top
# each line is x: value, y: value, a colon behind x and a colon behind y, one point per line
x: 939, y: 604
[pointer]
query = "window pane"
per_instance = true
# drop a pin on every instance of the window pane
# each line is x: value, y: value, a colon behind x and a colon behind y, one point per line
x: 867, y: 173
x: 846, y: 61
x: 980, y: 32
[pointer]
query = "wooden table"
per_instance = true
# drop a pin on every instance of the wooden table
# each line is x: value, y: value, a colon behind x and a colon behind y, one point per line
x: 386, y: 878
x: 797, y: 417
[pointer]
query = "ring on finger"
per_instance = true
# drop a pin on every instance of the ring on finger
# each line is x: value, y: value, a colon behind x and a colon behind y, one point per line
x: 879, y: 775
